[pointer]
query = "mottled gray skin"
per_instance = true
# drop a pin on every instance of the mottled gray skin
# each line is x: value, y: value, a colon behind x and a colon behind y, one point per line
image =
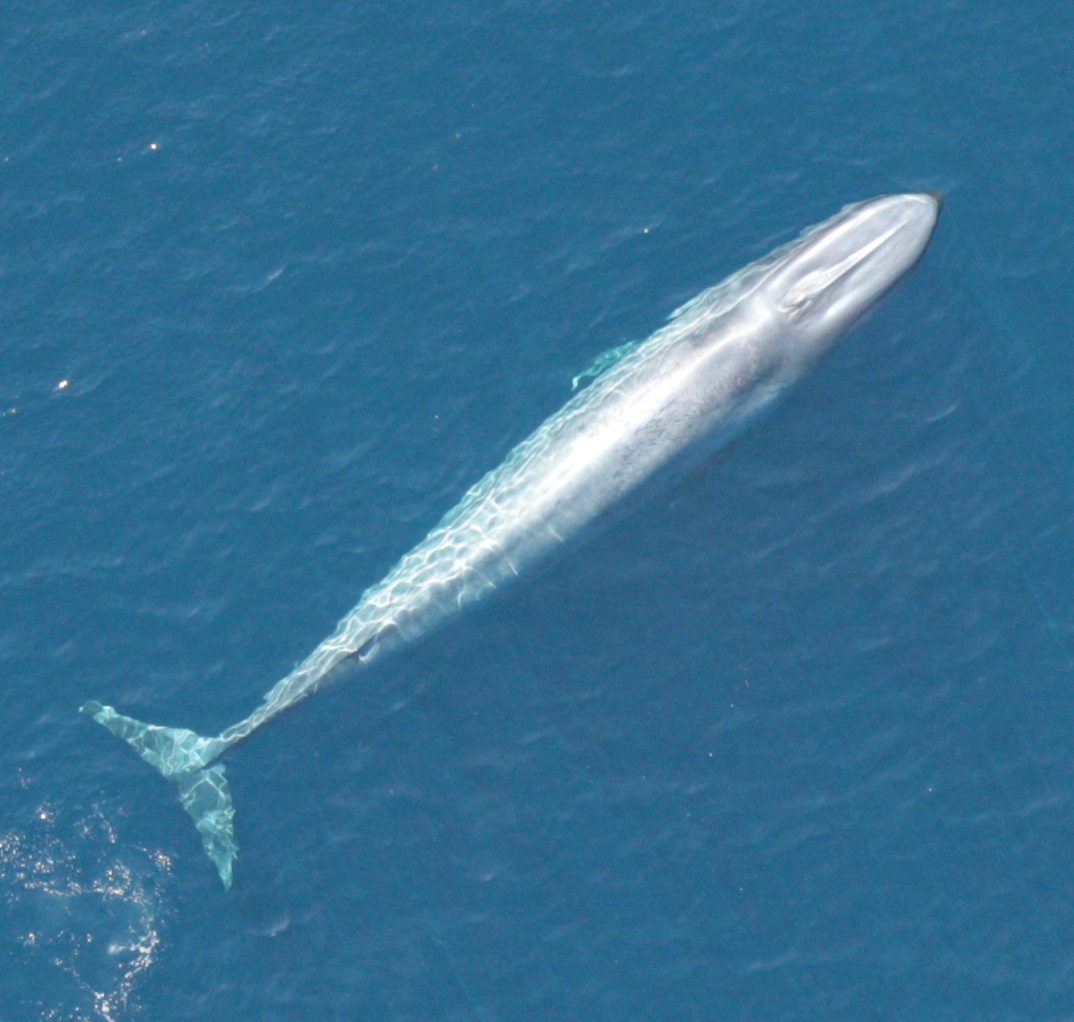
x: 721, y: 361
x: 686, y: 392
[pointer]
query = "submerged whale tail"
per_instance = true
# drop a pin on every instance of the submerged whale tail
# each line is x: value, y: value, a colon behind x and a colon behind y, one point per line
x: 187, y: 759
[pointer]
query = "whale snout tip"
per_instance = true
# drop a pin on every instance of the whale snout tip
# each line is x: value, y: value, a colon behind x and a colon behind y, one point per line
x: 920, y: 211
x: 937, y: 197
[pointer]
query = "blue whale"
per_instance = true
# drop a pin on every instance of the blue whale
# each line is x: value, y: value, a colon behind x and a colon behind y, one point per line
x: 655, y: 410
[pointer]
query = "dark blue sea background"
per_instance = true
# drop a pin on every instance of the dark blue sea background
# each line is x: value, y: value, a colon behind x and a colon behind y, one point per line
x: 279, y: 281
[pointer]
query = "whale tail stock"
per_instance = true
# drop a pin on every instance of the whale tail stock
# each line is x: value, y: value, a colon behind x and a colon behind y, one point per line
x: 187, y: 759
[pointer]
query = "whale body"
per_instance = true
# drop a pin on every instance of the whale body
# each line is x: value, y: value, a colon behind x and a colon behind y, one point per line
x: 662, y: 406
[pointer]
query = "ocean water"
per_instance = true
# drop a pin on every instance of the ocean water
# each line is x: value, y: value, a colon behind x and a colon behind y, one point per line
x: 279, y: 281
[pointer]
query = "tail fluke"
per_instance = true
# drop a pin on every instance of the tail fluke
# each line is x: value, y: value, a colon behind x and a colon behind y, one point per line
x: 186, y: 758
x: 206, y: 796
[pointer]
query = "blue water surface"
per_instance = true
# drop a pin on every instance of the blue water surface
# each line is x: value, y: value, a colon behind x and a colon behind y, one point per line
x: 278, y: 281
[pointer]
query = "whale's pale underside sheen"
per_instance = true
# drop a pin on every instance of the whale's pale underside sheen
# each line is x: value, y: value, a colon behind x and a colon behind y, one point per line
x: 656, y: 410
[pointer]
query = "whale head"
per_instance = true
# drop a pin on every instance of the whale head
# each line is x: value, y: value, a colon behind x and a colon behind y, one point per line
x: 839, y: 269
